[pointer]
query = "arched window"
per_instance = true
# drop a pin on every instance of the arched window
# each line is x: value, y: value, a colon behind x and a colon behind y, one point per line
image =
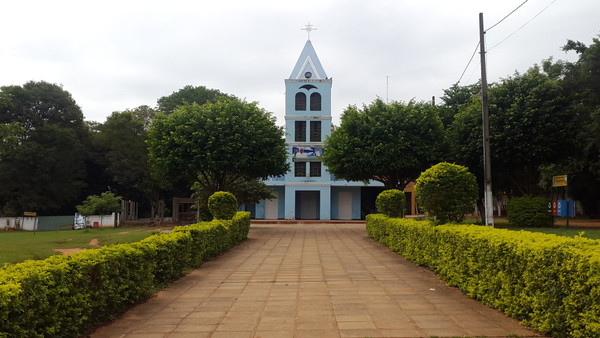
x: 300, y: 101
x: 315, y: 101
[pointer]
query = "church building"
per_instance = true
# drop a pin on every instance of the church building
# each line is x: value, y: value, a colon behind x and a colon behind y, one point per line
x: 308, y: 190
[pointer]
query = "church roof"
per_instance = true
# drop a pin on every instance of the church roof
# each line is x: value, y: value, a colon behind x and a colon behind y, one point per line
x: 308, y: 62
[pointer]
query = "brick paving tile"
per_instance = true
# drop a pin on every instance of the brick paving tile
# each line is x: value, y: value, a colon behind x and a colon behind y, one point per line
x: 310, y: 280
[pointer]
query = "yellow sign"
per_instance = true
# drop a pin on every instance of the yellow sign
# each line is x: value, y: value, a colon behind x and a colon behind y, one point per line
x: 559, y: 181
x: 30, y: 214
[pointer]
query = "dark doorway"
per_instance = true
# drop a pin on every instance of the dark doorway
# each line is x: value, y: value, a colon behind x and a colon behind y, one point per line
x: 368, y: 195
x: 308, y: 204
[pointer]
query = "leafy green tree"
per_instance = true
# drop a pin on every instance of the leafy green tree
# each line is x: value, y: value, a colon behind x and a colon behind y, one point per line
x: 11, y: 135
x: 454, y: 98
x: 124, y: 153
x: 446, y: 191
x: 530, y: 126
x: 581, y: 82
x: 36, y: 104
x: 104, y: 204
x: 391, y: 143
x: 219, y: 145
x: 44, y: 168
x: 188, y: 95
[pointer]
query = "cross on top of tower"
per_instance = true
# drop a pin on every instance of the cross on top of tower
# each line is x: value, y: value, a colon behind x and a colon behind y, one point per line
x: 309, y: 28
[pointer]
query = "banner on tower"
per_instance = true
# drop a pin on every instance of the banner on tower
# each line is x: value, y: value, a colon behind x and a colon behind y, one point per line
x: 307, y: 153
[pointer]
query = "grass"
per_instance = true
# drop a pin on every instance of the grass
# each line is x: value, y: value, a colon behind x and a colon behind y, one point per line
x: 570, y: 231
x: 593, y: 233
x: 17, y: 246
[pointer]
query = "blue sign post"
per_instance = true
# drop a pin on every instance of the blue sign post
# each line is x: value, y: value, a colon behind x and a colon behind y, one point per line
x: 565, y: 208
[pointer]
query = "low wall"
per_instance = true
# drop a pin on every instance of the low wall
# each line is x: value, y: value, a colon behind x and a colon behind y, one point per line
x: 56, y: 223
x: 18, y: 223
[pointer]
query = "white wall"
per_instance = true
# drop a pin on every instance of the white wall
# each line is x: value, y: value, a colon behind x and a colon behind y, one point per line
x: 25, y: 223
x: 103, y: 221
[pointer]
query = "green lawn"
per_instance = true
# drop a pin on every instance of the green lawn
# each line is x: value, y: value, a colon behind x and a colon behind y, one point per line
x: 570, y: 231
x: 17, y: 246
x: 593, y: 233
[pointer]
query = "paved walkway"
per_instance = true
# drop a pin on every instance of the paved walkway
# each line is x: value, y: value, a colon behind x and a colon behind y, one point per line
x: 311, y: 280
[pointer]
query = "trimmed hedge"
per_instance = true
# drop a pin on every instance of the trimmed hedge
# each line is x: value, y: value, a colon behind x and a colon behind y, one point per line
x: 391, y: 202
x: 446, y: 191
x: 73, y: 294
x: 549, y: 282
x: 528, y: 211
x: 223, y: 205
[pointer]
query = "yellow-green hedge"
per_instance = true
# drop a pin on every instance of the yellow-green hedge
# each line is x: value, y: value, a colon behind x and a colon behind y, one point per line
x: 68, y: 296
x: 549, y: 282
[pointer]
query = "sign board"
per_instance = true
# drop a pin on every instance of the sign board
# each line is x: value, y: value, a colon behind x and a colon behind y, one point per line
x: 307, y: 153
x: 559, y: 181
x: 29, y: 214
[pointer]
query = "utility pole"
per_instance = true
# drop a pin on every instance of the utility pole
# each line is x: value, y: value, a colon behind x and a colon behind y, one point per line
x: 487, y: 165
x: 387, y: 89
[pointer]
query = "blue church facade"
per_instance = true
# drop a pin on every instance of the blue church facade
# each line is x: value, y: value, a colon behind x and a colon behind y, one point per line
x: 308, y: 190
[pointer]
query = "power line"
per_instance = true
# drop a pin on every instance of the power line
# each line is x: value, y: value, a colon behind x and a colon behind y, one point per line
x: 525, y: 24
x: 473, y: 72
x: 507, y: 15
x: 470, y: 60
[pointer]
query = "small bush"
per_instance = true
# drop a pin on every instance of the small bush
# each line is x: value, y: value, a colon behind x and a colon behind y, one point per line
x: 391, y: 203
x: 529, y: 211
x: 223, y: 205
x: 446, y: 191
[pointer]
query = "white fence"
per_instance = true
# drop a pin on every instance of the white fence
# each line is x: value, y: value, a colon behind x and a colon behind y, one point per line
x: 102, y: 221
x: 22, y: 223
x: 54, y: 223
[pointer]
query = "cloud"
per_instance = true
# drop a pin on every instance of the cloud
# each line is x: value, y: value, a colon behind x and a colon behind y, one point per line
x: 115, y: 55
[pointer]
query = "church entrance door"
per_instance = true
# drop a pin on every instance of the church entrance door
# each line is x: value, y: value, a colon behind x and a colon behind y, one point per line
x: 307, y: 204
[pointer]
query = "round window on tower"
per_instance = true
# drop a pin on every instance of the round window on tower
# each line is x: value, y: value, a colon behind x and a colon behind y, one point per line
x: 308, y: 75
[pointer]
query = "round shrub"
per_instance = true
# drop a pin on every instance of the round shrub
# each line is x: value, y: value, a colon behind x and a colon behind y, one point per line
x: 391, y: 203
x: 222, y: 205
x: 529, y: 211
x: 446, y: 191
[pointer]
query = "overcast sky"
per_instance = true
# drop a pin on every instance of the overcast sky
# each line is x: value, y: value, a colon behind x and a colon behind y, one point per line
x: 116, y: 55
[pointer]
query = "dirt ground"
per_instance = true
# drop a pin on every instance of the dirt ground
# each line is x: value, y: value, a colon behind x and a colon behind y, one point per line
x: 93, y: 242
x: 96, y: 243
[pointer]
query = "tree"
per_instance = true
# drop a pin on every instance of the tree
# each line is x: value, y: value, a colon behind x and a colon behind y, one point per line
x: 11, y: 135
x: 391, y: 143
x: 105, y: 204
x: 218, y: 145
x: 39, y: 103
x: 122, y: 140
x: 454, y: 98
x: 446, y: 191
x: 581, y: 81
x: 530, y: 126
x: 44, y: 168
x: 188, y: 95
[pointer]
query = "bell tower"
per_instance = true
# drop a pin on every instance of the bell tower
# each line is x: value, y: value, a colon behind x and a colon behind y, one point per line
x: 308, y: 190
x: 308, y: 124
